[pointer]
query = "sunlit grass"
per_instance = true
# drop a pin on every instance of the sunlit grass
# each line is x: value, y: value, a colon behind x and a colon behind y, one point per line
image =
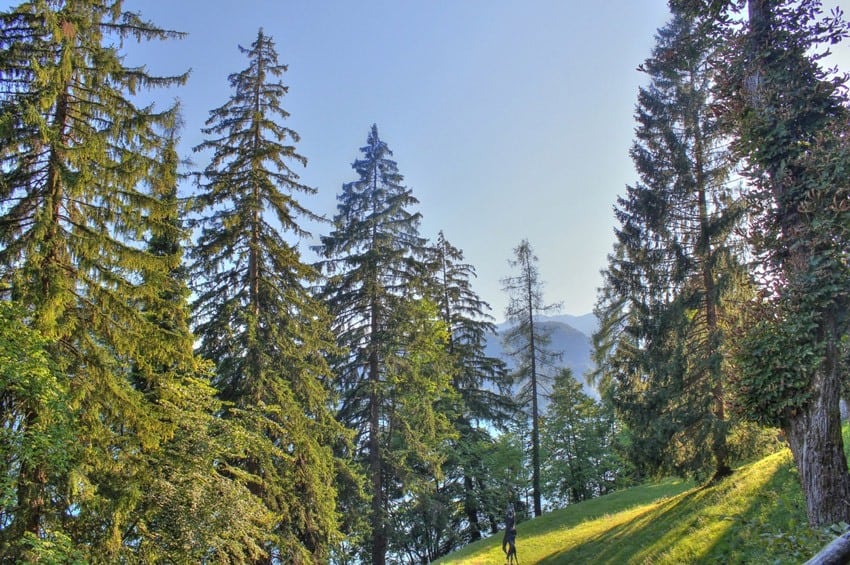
x: 757, y: 515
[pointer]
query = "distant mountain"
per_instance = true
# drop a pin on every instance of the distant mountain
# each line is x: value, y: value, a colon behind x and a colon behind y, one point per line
x: 586, y: 324
x: 572, y: 343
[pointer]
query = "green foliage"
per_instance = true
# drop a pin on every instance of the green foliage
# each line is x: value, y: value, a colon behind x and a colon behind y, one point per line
x: 193, y: 508
x: 258, y: 321
x: 468, y: 496
x: 580, y: 459
x: 528, y: 342
x: 665, y: 304
x: 36, y: 432
x: 788, y: 119
x: 776, y: 358
x: 393, y: 373
x: 78, y: 159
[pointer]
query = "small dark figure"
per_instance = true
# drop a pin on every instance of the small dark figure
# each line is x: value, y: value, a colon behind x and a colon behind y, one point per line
x: 509, y: 540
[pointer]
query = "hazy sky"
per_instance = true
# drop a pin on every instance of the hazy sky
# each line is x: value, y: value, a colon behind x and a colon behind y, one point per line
x: 509, y: 119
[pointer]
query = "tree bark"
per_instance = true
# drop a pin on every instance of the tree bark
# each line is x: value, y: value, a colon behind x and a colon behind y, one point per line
x: 814, y: 432
x: 535, y: 416
x: 379, y: 536
x: 814, y: 435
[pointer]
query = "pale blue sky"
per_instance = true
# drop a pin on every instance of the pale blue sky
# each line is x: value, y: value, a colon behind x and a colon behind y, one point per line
x: 509, y: 119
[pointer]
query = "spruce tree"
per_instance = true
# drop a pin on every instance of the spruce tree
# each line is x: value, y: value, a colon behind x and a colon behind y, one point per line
x: 394, y: 371
x: 255, y: 316
x: 665, y: 287
x: 529, y: 340
x: 191, y: 508
x: 75, y: 155
x: 447, y: 513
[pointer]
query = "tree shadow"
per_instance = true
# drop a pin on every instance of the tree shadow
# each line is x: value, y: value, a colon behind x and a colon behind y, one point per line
x: 746, y: 518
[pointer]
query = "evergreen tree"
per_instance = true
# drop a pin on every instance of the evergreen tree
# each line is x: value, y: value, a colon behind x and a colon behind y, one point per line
x: 665, y: 287
x: 451, y: 512
x: 190, y: 509
x: 75, y: 154
x: 255, y: 316
x: 32, y: 390
x: 578, y: 439
x: 529, y: 340
x: 789, y: 117
x: 394, y: 372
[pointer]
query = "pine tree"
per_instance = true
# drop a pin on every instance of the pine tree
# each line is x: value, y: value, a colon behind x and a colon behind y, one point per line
x: 674, y: 264
x: 529, y: 340
x: 394, y: 371
x: 75, y: 154
x: 255, y: 315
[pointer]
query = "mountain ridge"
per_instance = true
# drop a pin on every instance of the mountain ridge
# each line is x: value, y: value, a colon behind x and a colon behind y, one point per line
x: 572, y: 343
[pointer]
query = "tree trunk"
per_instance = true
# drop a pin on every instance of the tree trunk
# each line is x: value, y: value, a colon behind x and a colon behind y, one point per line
x: 705, y: 252
x: 470, y: 507
x: 378, y: 522
x: 814, y: 432
x: 535, y: 416
x: 814, y: 435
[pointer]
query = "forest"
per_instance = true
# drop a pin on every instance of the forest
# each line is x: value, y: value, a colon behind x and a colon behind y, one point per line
x: 179, y: 384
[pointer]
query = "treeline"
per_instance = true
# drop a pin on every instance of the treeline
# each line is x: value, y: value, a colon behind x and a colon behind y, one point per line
x: 177, y: 383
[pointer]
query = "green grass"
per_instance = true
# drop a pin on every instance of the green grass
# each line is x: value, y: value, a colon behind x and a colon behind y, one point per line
x: 757, y: 515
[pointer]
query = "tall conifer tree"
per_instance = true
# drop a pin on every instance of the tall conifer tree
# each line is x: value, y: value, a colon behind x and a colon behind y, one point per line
x: 191, y: 508
x: 789, y: 116
x: 529, y: 340
x: 394, y: 371
x: 482, y: 383
x: 75, y: 154
x: 664, y: 293
x: 255, y: 315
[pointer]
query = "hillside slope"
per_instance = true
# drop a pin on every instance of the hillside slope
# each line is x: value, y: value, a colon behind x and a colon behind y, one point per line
x: 756, y: 515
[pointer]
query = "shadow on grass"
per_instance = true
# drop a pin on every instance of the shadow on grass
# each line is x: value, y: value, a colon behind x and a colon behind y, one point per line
x: 535, y: 536
x: 753, y: 516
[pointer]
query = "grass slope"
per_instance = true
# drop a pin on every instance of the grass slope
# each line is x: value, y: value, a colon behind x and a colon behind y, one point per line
x: 757, y: 515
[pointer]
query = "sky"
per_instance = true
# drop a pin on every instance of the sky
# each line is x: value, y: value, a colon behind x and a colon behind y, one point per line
x: 509, y: 119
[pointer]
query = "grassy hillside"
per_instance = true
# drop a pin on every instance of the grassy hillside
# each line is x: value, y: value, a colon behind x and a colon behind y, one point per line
x: 755, y: 516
